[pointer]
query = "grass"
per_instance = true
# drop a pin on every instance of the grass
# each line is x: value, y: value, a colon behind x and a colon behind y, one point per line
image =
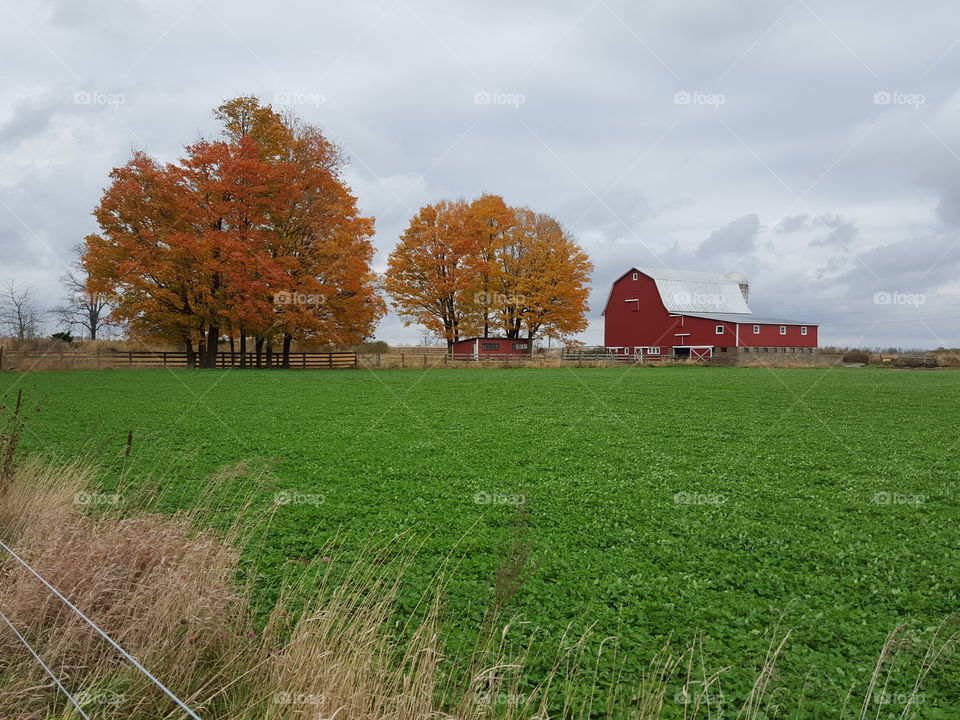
x: 646, y: 504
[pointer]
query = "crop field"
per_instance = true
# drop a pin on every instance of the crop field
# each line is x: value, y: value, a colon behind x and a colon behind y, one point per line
x: 651, y: 504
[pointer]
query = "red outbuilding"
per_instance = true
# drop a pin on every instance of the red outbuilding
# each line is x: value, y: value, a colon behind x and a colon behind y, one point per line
x: 477, y: 347
x: 655, y: 311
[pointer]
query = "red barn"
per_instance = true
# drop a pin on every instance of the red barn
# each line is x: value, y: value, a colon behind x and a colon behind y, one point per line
x: 655, y: 311
x: 476, y: 347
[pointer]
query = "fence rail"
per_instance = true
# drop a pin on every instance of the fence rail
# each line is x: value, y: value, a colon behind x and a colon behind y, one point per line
x: 27, y: 359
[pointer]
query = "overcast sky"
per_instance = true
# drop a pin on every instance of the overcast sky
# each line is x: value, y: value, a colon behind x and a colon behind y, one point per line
x: 812, y: 145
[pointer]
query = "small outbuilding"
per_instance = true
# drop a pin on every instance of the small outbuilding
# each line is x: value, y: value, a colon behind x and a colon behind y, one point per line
x: 478, y: 347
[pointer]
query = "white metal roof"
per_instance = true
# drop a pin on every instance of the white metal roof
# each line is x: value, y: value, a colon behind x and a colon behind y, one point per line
x: 687, y: 291
x: 748, y: 319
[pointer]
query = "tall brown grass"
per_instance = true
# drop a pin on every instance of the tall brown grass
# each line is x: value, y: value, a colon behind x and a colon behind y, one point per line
x: 331, y: 647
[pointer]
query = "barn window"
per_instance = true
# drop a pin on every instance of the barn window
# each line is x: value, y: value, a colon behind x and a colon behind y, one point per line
x: 519, y: 346
x: 803, y: 330
x: 489, y: 346
x: 635, y: 275
x: 719, y: 329
x: 653, y: 351
x: 783, y: 329
x: 756, y: 329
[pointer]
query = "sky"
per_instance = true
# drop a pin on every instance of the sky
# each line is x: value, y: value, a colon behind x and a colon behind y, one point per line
x: 812, y: 145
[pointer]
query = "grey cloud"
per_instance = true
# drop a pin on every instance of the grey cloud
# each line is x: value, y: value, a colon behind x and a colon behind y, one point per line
x: 841, y: 231
x: 736, y: 237
x: 791, y: 224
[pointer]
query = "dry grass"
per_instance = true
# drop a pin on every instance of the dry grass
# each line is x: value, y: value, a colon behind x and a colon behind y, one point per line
x: 166, y: 590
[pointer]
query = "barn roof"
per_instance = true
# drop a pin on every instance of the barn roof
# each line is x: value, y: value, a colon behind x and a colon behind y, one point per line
x: 749, y: 319
x: 686, y: 291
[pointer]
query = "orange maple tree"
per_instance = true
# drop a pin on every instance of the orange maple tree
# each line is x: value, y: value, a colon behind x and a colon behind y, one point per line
x: 256, y: 236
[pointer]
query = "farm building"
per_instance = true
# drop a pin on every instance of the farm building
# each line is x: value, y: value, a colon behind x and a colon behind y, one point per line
x: 477, y: 347
x: 655, y: 311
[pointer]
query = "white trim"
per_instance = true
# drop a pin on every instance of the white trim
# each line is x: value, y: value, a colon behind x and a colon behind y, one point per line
x: 783, y: 329
x: 720, y: 330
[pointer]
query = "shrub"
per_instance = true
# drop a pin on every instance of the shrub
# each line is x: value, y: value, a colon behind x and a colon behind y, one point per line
x: 856, y: 356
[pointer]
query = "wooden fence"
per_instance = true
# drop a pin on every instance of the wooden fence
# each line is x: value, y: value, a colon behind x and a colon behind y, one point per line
x: 37, y: 360
x: 928, y: 360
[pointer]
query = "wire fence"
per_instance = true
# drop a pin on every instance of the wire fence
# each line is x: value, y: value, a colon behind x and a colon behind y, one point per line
x: 113, y: 643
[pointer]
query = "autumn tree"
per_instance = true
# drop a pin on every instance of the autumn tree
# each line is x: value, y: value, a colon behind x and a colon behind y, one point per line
x: 432, y: 272
x: 256, y: 235
x: 543, y: 280
x: 489, y: 223
x: 470, y: 268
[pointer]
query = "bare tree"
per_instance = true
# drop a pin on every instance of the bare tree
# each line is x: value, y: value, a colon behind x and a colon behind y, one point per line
x: 81, y: 308
x: 20, y: 316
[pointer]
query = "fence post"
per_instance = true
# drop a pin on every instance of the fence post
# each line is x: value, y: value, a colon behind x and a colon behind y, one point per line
x: 1, y: 358
x: 129, y: 358
x: 401, y: 361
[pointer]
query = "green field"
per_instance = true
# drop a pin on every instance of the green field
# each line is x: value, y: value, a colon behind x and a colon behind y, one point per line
x: 657, y: 502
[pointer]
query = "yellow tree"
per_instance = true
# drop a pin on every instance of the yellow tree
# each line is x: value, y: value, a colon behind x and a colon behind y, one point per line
x: 432, y: 272
x: 542, y: 281
x: 489, y: 223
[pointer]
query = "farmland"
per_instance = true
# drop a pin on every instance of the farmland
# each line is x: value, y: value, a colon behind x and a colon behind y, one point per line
x: 656, y: 503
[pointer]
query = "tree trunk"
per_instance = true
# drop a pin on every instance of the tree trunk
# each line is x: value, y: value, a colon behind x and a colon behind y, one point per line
x: 191, y: 357
x: 270, y: 352
x: 243, y: 348
x: 233, y: 351
x: 93, y: 316
x: 212, y: 334
x: 258, y: 348
x: 287, y: 340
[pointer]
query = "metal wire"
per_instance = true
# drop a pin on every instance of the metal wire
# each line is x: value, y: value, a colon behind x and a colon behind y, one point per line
x: 44, y: 666
x: 106, y: 637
